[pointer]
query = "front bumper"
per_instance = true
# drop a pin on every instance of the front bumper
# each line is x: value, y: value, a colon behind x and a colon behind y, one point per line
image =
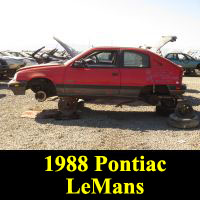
x: 18, y: 87
x: 174, y: 90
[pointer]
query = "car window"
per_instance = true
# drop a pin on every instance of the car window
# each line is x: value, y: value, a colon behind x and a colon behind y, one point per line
x: 133, y: 59
x: 189, y: 57
x: 181, y: 57
x: 101, y: 59
x: 170, y: 56
x: 105, y: 57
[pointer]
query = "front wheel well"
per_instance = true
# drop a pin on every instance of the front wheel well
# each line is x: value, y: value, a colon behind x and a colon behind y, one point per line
x: 43, y: 84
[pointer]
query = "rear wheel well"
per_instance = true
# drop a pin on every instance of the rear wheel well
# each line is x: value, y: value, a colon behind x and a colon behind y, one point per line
x: 146, y: 90
x: 42, y: 84
x: 157, y: 90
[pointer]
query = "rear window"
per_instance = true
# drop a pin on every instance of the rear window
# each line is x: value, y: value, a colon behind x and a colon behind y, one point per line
x: 133, y: 59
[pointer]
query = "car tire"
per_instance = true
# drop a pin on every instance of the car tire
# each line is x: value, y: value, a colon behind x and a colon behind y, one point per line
x: 183, y: 123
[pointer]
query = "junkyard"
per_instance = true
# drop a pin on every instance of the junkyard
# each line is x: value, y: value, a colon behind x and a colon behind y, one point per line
x: 99, y: 98
x: 34, y: 121
x: 99, y: 126
x: 118, y: 88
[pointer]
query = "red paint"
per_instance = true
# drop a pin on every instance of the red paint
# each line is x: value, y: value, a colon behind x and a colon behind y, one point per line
x: 160, y: 72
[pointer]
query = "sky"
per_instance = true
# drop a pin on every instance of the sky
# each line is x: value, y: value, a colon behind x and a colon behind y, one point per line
x: 31, y: 24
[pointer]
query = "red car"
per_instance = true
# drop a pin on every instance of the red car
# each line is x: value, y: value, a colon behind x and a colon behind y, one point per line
x: 106, y: 73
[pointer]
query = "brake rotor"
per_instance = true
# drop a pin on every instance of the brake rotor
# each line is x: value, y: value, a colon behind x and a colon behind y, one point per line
x: 67, y: 105
x: 184, y: 110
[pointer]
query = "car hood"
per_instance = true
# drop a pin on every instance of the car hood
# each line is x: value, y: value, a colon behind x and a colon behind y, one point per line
x: 49, y: 65
x: 72, y: 52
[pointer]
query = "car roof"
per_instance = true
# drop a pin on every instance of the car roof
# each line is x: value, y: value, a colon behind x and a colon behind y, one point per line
x: 177, y: 53
x: 119, y: 48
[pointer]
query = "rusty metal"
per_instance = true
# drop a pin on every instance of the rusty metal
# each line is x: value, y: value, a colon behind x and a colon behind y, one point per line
x: 184, y: 110
x: 67, y: 105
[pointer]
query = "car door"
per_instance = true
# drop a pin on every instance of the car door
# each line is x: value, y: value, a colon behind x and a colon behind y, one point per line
x: 98, y: 76
x: 135, y: 72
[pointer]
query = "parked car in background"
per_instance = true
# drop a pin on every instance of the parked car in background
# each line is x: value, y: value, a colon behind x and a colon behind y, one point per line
x: 3, y: 68
x: 18, y: 55
x: 188, y: 63
x: 14, y: 63
x: 163, y: 41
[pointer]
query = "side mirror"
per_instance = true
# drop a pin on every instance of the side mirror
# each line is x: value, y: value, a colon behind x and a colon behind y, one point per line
x: 79, y: 63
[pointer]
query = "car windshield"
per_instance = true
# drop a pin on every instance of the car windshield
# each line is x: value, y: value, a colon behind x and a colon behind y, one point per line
x: 76, y: 57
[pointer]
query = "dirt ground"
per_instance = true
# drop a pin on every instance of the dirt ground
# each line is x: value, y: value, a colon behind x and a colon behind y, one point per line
x: 99, y: 126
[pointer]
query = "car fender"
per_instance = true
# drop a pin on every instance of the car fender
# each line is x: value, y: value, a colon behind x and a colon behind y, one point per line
x: 36, y: 75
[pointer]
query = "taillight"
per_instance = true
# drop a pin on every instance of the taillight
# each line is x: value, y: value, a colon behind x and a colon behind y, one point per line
x: 181, y: 76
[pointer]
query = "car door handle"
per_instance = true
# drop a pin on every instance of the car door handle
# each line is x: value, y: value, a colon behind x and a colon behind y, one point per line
x: 115, y: 74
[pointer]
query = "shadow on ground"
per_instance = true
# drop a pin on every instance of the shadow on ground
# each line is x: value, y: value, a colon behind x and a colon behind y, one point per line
x: 192, y: 75
x: 137, y: 121
x: 193, y: 91
x: 193, y: 100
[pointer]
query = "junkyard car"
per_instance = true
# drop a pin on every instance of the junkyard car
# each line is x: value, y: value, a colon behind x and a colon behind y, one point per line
x: 13, y: 63
x: 188, y: 63
x: 3, y: 68
x: 54, y: 55
x: 108, y: 74
x: 18, y: 55
x: 163, y: 41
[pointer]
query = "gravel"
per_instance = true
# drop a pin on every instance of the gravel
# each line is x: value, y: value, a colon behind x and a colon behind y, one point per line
x: 100, y: 126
